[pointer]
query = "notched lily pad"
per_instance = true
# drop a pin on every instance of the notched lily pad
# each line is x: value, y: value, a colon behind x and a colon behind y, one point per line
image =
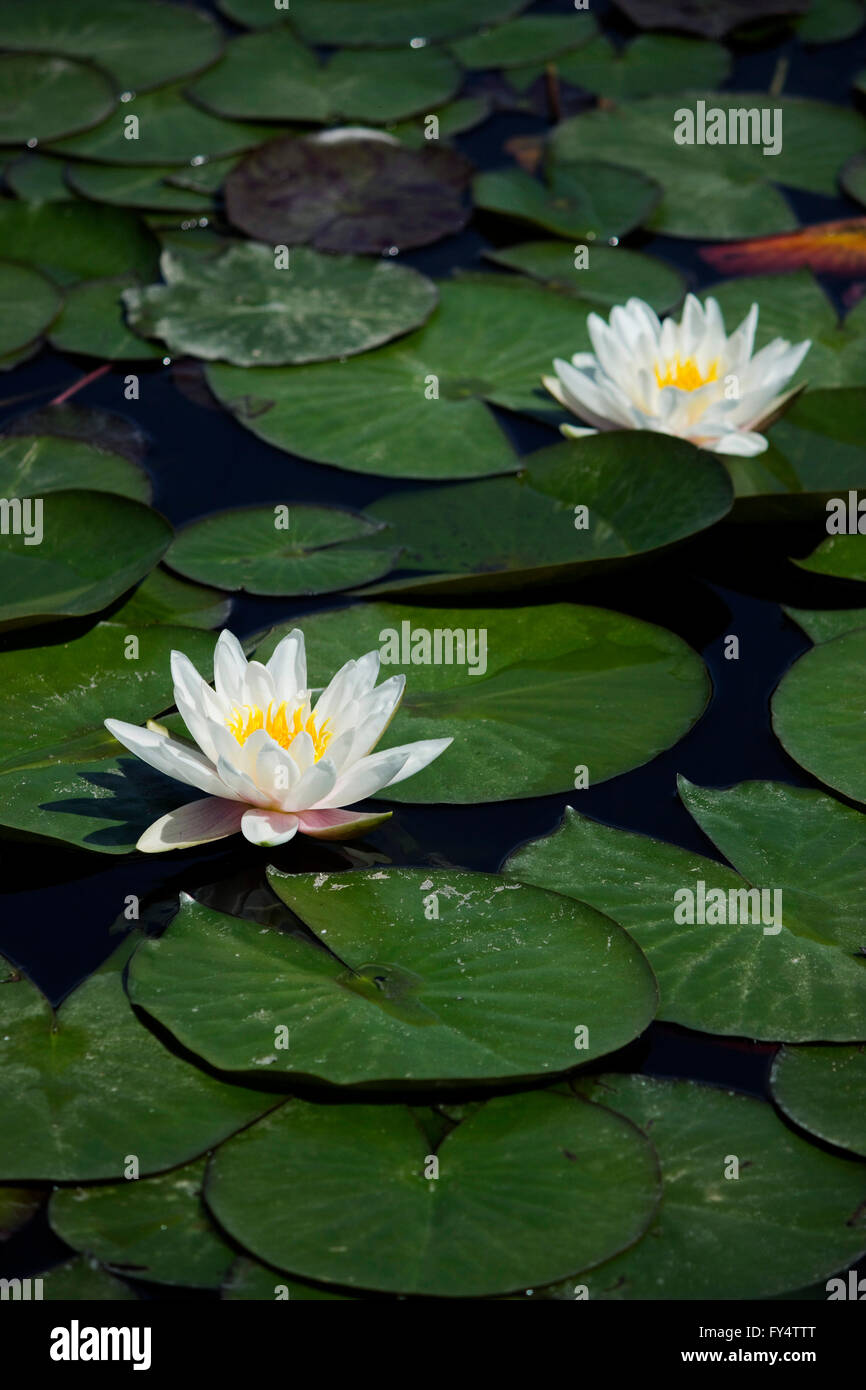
x: 32, y: 465
x: 823, y: 1090
x: 28, y: 304
x: 416, y: 977
x: 712, y: 18
x: 338, y: 1193
x: 319, y: 551
x: 370, y: 23
x: 600, y: 276
x: 247, y: 308
x: 46, y: 96
x: 74, y: 241
x: 92, y: 323
x: 357, y: 193
x: 585, y: 199
x: 818, y: 713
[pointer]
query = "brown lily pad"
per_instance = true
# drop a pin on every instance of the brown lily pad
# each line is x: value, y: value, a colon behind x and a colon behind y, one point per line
x: 710, y: 18
x: 360, y: 193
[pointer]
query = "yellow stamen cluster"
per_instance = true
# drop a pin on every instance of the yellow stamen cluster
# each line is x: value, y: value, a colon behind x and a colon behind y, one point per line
x: 282, y: 727
x: 686, y: 375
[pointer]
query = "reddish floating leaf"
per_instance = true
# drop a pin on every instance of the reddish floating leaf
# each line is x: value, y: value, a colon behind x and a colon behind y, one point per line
x: 831, y: 248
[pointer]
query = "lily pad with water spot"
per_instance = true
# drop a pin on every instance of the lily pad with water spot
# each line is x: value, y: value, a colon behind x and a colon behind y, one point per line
x: 74, y: 553
x: 18, y: 1205
x: 244, y: 308
x: 840, y: 557
x: 562, y: 686
x: 802, y: 983
x: 170, y: 130
x: 417, y: 977
x: 324, y: 549
x: 92, y: 323
x: 585, y: 199
x: 748, y: 1210
x: 32, y: 465
x: 712, y: 18
x: 272, y: 76
x: 76, y: 240
x: 819, y: 714
x: 371, y: 23
x: 531, y: 38
x: 417, y: 408
x: 610, y: 276
x: 647, y: 65
x: 357, y: 193
x: 139, y: 43
x: 62, y: 775
x: 28, y: 304
x: 44, y: 97
x: 719, y: 192
x: 823, y: 1090
x: 640, y: 493
x: 89, y: 1085
x: 250, y: 1280
x: 528, y: 1185
x: 135, y: 186
x: 155, y: 1228
x: 163, y: 598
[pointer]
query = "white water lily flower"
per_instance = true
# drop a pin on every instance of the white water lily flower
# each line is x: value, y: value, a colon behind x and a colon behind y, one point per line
x: 687, y: 379
x: 271, y: 765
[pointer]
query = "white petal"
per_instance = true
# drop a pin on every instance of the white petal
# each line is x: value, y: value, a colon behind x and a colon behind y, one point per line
x: 269, y: 828
x: 229, y: 666
x: 197, y: 823
x: 167, y: 755
x: 288, y: 666
x: 742, y: 443
x: 314, y: 784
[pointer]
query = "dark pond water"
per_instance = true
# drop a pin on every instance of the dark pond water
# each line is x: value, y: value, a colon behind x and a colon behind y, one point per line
x: 59, y: 907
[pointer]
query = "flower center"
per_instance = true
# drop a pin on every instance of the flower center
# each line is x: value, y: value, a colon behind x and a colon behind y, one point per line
x: 283, y: 728
x: 686, y: 375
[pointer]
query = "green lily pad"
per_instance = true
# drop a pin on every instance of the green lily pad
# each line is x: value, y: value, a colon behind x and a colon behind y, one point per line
x: 823, y: 1090
x: 562, y: 686
x: 649, y: 64
x: 531, y: 39
x: 243, y: 308
x: 791, y: 1216
x: 498, y: 989
x: 162, y: 598
x: 816, y: 452
x: 82, y: 1281
x: 45, y: 97
x: 31, y: 465
x: 319, y: 553
x: 852, y: 178
x: 152, y: 1228
x: 338, y: 1193
x: 823, y: 624
x: 62, y: 774
x: 584, y: 199
x: 76, y: 241
x: 802, y: 983
x: 208, y: 177
x: 169, y: 130
x: 91, y: 323
x: 818, y: 713
x: 641, y: 493
x: 18, y: 1205
x: 140, y: 43
x: 719, y: 191
x: 272, y: 76
x: 828, y: 21
x: 87, y: 549
x: 841, y: 557
x: 252, y: 1281
x: 360, y: 193
x: 135, y: 187
x: 712, y: 18
x: 37, y: 178
x: 453, y: 118
x: 28, y: 304
x: 90, y: 1086
x: 610, y: 276
x: 416, y: 409
x: 359, y: 23
x: 101, y: 429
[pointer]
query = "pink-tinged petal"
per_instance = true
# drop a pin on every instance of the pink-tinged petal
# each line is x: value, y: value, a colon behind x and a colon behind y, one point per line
x: 340, y: 825
x: 269, y: 828
x: 167, y: 755
x: 197, y: 823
